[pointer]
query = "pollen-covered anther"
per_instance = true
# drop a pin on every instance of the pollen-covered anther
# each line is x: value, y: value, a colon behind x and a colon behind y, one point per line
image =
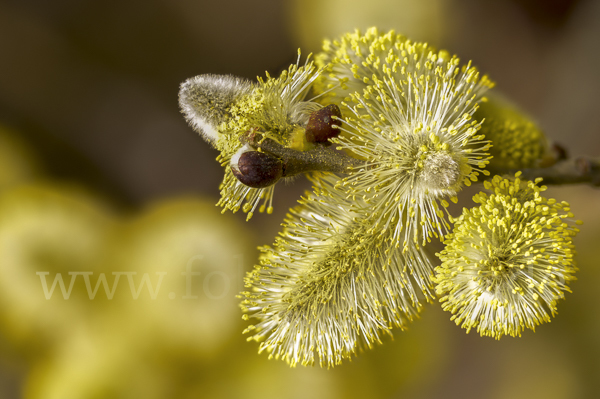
x: 257, y: 169
x: 324, y: 124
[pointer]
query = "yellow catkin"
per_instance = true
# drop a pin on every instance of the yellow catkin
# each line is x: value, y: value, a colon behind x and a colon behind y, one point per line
x: 517, y: 141
x: 412, y: 123
x: 508, y: 261
x: 330, y: 286
x: 276, y: 109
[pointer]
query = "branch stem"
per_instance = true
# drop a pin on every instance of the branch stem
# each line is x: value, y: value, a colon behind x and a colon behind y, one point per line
x: 322, y: 158
x: 567, y: 171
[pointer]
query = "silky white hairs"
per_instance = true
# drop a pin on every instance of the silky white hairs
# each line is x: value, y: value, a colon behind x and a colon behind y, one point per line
x: 205, y: 100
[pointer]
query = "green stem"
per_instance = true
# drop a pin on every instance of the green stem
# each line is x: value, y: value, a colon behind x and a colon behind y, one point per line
x: 323, y: 157
x: 568, y: 171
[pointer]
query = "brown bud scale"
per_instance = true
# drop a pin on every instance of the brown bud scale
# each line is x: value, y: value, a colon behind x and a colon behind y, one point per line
x: 258, y: 169
x: 320, y: 127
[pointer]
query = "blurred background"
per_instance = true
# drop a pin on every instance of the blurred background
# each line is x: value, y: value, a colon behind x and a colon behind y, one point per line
x: 101, y: 176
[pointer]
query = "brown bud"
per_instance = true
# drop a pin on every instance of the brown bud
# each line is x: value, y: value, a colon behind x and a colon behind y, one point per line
x: 258, y: 169
x: 320, y: 127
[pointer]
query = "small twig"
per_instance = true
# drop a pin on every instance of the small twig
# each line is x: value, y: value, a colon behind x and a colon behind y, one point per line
x: 326, y: 159
x: 568, y: 171
x: 321, y: 158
